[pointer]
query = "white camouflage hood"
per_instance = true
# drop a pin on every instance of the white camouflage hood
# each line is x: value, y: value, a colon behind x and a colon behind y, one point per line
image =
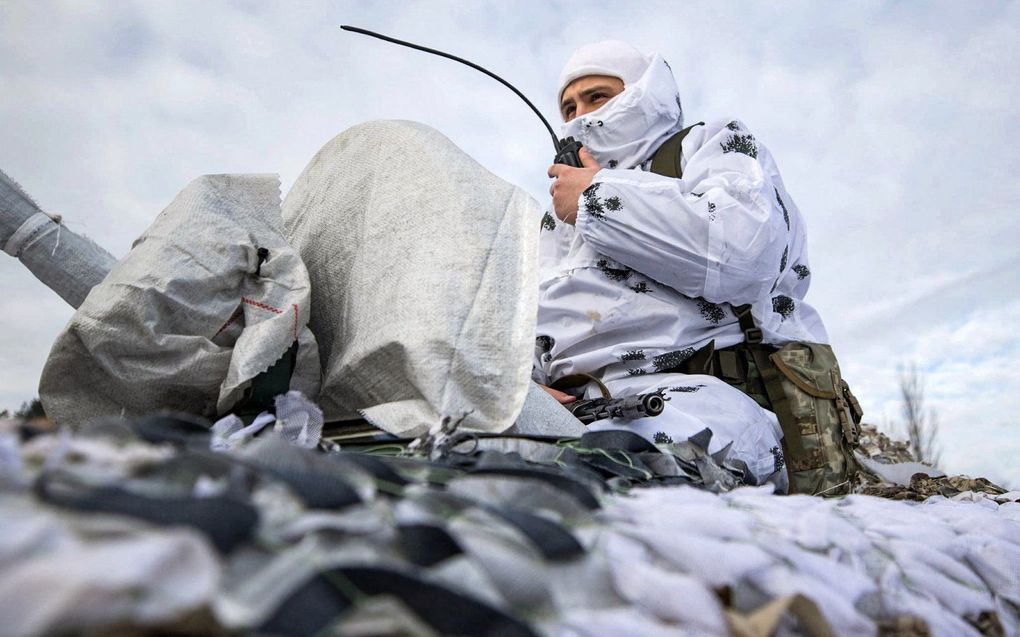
x: 631, y: 126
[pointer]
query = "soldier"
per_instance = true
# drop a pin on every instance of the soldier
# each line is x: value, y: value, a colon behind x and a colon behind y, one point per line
x: 653, y: 247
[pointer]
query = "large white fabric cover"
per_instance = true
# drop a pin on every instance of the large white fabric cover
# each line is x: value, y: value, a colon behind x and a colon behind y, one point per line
x: 423, y: 276
x: 183, y: 321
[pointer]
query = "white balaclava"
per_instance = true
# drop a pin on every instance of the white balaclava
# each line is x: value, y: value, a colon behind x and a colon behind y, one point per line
x: 627, y: 129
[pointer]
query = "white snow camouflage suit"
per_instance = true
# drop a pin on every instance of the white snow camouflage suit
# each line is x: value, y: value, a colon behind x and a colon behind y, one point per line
x: 653, y: 266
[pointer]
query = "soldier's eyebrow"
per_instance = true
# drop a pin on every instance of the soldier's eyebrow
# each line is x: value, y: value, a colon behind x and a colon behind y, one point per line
x: 586, y: 93
x: 595, y: 89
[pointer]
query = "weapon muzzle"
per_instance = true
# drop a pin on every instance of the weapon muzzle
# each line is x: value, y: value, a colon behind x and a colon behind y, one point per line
x: 653, y: 404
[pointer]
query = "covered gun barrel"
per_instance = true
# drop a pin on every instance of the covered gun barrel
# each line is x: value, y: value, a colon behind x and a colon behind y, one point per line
x: 68, y: 263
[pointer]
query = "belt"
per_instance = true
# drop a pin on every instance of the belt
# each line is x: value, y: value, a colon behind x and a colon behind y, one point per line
x: 730, y: 364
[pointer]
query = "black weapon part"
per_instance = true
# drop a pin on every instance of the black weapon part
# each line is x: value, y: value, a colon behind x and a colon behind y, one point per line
x: 629, y: 407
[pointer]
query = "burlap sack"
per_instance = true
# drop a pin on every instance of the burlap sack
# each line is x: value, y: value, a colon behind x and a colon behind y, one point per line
x: 189, y: 316
x: 423, y: 279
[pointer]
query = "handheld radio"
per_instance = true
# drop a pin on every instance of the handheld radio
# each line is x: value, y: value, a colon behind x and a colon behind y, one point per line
x: 566, y: 149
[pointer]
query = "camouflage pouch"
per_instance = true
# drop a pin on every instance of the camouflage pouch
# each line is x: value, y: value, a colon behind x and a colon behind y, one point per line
x: 819, y: 416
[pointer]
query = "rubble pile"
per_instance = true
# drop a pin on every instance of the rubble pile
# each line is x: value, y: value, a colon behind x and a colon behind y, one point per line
x: 890, y: 471
x: 879, y: 447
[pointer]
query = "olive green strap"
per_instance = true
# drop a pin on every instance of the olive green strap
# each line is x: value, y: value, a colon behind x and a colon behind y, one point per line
x: 668, y: 158
x: 793, y: 445
x: 752, y: 333
x: 843, y: 411
x: 852, y: 402
x: 702, y: 361
x: 804, y: 386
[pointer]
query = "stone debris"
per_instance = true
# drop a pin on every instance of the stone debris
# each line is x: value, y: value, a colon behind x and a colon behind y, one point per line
x: 881, y: 448
x: 890, y: 471
x: 923, y: 486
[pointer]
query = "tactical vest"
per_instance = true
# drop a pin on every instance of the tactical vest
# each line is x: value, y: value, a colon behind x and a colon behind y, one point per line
x: 799, y: 382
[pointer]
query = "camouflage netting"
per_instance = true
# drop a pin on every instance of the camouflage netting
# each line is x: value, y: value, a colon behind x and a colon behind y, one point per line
x: 605, y: 535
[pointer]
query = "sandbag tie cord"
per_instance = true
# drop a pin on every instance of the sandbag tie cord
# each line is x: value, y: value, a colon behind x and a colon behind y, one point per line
x: 29, y: 230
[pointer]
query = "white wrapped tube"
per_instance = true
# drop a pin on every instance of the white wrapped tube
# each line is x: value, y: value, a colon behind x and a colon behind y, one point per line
x: 68, y: 263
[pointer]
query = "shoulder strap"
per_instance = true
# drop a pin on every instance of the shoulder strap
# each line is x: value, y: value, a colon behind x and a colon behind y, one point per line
x: 573, y: 381
x: 667, y: 160
x: 772, y: 382
x: 752, y: 333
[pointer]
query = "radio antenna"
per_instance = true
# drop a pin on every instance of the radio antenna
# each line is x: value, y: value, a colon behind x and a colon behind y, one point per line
x: 556, y: 141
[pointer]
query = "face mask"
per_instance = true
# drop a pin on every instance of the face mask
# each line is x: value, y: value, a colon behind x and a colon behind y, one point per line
x: 629, y: 128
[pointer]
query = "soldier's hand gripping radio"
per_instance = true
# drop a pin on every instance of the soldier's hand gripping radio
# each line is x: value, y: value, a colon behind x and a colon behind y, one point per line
x: 568, y: 152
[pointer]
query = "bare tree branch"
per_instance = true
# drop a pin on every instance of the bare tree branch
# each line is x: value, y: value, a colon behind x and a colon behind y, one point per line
x: 922, y: 426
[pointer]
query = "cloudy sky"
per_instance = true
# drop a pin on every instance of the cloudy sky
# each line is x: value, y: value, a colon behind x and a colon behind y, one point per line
x: 895, y: 126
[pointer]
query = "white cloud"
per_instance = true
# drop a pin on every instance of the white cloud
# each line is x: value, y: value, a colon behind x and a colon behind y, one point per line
x: 968, y: 364
x: 894, y: 126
